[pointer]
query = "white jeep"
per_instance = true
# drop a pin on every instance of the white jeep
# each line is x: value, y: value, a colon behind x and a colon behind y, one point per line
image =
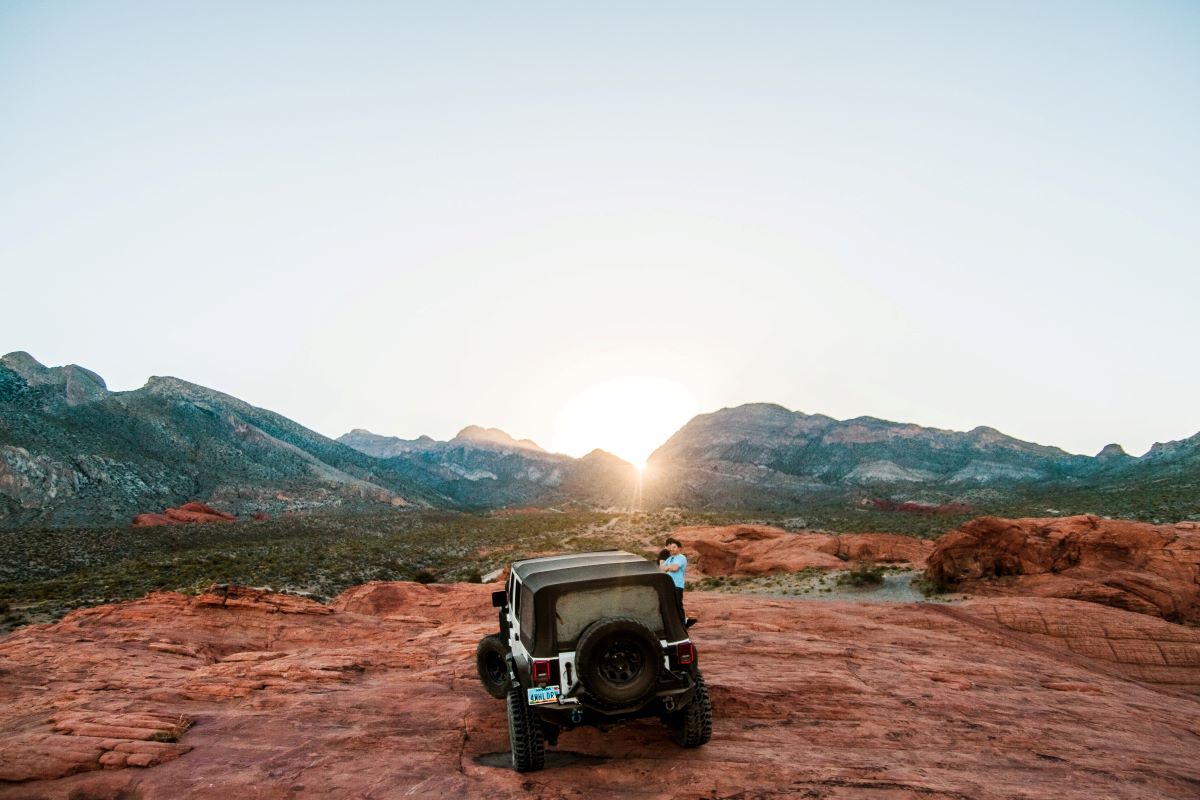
x: 591, y: 639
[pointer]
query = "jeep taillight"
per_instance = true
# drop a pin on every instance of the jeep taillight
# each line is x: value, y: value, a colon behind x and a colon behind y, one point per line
x: 685, y: 654
x: 541, y: 671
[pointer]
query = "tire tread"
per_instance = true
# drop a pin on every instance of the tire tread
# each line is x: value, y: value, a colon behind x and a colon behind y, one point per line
x: 692, y: 726
x: 489, y: 645
x: 525, y: 735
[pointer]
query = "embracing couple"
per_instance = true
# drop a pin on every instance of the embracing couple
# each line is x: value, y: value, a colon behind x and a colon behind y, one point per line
x: 673, y: 562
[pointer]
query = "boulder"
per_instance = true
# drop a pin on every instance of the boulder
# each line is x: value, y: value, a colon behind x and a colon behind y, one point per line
x: 437, y: 601
x: 244, y: 597
x: 188, y: 512
x: 742, y: 550
x: 1136, y: 566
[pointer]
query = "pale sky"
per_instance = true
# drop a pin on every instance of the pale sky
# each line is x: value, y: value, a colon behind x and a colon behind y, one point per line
x: 415, y: 217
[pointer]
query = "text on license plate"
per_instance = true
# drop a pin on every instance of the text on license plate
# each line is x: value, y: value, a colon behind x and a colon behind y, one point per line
x: 539, y: 695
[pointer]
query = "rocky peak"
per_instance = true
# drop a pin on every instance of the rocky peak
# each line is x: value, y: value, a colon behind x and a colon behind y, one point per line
x: 757, y: 413
x: 1177, y: 450
x: 752, y: 420
x: 985, y: 437
x: 474, y: 434
x: 365, y: 433
x: 379, y: 446
x: 25, y: 365
x: 176, y: 388
x: 165, y: 384
x: 82, y: 385
x: 984, y: 432
x: 76, y: 384
x: 1111, y: 452
x: 603, y: 456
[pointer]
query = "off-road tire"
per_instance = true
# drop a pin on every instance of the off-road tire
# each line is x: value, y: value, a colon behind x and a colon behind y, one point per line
x: 493, y: 669
x: 524, y: 734
x: 618, y: 661
x: 691, y: 726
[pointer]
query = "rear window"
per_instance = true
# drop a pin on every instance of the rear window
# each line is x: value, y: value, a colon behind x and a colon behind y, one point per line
x: 574, y: 611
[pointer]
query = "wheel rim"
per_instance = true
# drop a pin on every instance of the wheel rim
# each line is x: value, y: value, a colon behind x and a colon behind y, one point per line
x: 496, y: 671
x: 622, y: 662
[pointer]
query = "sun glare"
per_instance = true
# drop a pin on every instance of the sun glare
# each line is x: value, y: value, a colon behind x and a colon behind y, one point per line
x: 628, y: 417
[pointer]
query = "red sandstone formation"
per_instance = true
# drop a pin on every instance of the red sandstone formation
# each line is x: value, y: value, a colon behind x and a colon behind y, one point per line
x: 909, y: 507
x: 150, y: 520
x: 1151, y: 569
x: 200, y: 508
x: 188, y: 512
x: 1121, y: 643
x: 740, y: 550
x: 241, y: 693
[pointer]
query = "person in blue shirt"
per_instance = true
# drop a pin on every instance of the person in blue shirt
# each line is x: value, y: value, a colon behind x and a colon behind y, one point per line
x: 675, y: 565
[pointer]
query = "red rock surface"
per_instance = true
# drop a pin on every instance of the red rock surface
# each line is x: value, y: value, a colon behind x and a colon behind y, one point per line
x: 151, y: 520
x: 375, y: 696
x: 1151, y: 569
x: 740, y: 550
x: 188, y: 512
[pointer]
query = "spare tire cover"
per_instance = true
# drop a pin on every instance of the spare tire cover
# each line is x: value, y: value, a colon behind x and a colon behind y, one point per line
x: 618, y: 661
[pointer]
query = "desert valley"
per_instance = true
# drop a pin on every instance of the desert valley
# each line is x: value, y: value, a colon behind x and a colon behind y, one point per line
x: 678, y: 401
x: 206, y: 598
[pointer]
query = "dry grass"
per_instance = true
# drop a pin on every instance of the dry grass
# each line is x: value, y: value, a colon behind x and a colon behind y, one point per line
x: 173, y: 733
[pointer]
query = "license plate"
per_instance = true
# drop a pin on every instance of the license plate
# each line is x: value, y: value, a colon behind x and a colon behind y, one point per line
x: 538, y: 695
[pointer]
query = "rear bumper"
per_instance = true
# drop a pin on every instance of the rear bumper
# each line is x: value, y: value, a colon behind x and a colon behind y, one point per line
x: 675, y: 690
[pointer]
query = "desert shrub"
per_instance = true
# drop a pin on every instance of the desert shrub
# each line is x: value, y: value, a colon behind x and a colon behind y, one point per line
x: 864, y: 574
x: 425, y: 576
x: 174, y: 733
x: 930, y: 586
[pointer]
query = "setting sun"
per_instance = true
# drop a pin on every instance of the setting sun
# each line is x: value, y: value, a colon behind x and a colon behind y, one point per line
x: 628, y: 417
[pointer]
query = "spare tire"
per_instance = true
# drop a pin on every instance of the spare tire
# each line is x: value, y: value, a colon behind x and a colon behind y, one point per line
x: 618, y: 661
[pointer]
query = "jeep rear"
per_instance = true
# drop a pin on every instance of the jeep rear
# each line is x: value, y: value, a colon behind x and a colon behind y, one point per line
x: 591, y: 639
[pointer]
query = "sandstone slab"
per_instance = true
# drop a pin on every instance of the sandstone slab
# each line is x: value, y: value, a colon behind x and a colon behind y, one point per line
x: 994, y: 698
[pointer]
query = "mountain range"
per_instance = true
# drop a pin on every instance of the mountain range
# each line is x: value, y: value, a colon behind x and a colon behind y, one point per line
x: 789, y: 456
x: 74, y: 453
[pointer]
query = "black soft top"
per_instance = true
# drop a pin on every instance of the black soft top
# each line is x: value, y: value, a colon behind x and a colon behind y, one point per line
x: 546, y: 579
x: 537, y: 573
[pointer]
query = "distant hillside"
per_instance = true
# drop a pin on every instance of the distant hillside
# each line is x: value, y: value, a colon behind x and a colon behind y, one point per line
x: 74, y: 453
x: 71, y: 452
x: 387, y: 446
x: 765, y: 456
x: 378, y: 446
x: 486, y: 468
